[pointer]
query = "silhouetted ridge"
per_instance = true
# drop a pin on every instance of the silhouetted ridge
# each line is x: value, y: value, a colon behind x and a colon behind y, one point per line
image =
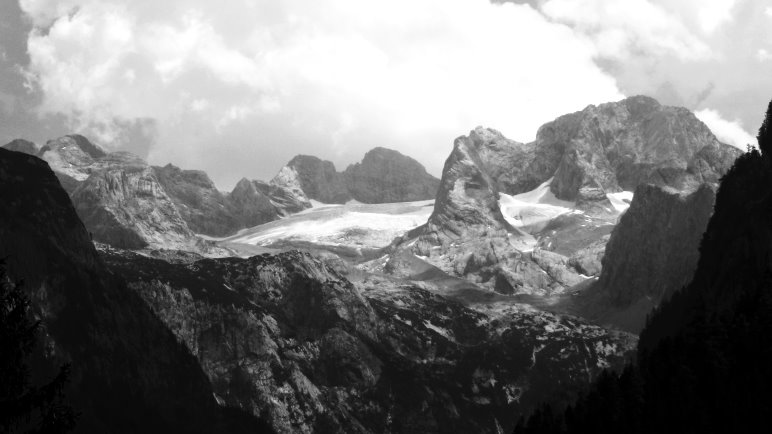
x: 705, y: 356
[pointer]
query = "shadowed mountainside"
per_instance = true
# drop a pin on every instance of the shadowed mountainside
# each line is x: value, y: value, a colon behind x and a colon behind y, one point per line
x: 129, y: 374
x: 705, y: 356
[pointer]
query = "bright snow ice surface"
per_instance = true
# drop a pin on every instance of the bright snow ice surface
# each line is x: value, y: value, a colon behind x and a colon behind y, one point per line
x: 532, y: 210
x: 620, y: 201
x: 352, y: 224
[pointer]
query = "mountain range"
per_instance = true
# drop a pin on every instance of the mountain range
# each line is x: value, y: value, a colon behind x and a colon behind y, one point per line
x: 377, y: 299
x: 126, y: 203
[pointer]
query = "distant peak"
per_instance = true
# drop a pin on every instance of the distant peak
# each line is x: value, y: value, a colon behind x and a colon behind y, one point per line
x: 302, y: 159
x: 21, y: 145
x: 85, y: 145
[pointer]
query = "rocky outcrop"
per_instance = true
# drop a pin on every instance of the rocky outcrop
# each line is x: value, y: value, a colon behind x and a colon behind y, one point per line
x: 255, y: 202
x: 467, y: 200
x: 200, y: 204
x: 290, y: 338
x: 128, y: 372
x: 651, y: 254
x: 316, y: 178
x: 582, y: 157
x: 386, y: 176
x: 635, y: 141
x: 73, y: 155
x: 383, y: 176
x: 128, y: 204
x: 124, y: 205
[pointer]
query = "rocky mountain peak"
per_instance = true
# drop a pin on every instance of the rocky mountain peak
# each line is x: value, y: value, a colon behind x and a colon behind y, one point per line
x: 385, y: 176
x: 197, y: 178
x: 622, y: 144
x: 317, y: 178
x: 558, y: 197
x: 468, y: 194
x: 72, y: 155
x: 125, y: 206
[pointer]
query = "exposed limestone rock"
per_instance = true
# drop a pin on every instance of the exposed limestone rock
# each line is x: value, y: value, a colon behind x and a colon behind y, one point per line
x: 315, y: 177
x: 624, y: 144
x: 125, y: 206
x: 584, y: 157
x: 287, y: 337
x: 200, y: 204
x: 72, y: 155
x: 255, y: 202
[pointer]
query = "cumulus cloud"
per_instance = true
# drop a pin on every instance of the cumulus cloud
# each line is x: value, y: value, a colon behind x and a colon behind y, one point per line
x: 237, y: 88
x: 729, y: 132
x: 624, y: 29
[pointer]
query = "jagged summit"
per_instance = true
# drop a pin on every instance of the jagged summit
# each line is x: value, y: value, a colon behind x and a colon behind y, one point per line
x: 383, y: 176
x: 386, y: 176
x: 317, y: 178
x: 557, y: 198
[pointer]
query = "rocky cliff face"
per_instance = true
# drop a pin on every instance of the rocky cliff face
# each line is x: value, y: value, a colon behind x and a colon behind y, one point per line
x: 317, y: 178
x: 125, y: 206
x: 255, y: 202
x: 467, y: 202
x: 383, y: 176
x: 386, y: 176
x: 200, y: 204
x: 208, y: 211
x: 128, y: 204
x: 129, y: 374
x: 73, y: 155
x: 624, y: 144
x: 290, y: 338
x: 583, y: 161
x: 652, y: 253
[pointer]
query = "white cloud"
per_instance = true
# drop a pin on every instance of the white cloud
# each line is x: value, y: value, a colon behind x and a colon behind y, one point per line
x: 730, y: 132
x: 622, y: 29
x: 763, y: 55
x: 236, y: 88
x: 712, y: 14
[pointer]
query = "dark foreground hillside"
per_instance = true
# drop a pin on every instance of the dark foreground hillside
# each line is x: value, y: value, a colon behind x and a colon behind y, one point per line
x: 128, y: 372
x: 705, y: 357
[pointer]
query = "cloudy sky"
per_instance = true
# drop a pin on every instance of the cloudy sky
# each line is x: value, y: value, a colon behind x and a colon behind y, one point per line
x: 238, y: 87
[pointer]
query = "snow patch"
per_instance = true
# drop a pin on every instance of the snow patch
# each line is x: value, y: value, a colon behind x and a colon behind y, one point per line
x: 620, y: 201
x: 352, y: 224
x: 531, y: 211
x: 442, y: 331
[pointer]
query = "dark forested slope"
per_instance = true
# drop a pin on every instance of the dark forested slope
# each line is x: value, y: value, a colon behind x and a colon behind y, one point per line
x: 705, y: 356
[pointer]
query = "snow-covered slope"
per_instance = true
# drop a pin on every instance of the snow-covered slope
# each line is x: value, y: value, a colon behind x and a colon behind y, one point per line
x: 621, y: 201
x: 532, y: 210
x: 352, y: 224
